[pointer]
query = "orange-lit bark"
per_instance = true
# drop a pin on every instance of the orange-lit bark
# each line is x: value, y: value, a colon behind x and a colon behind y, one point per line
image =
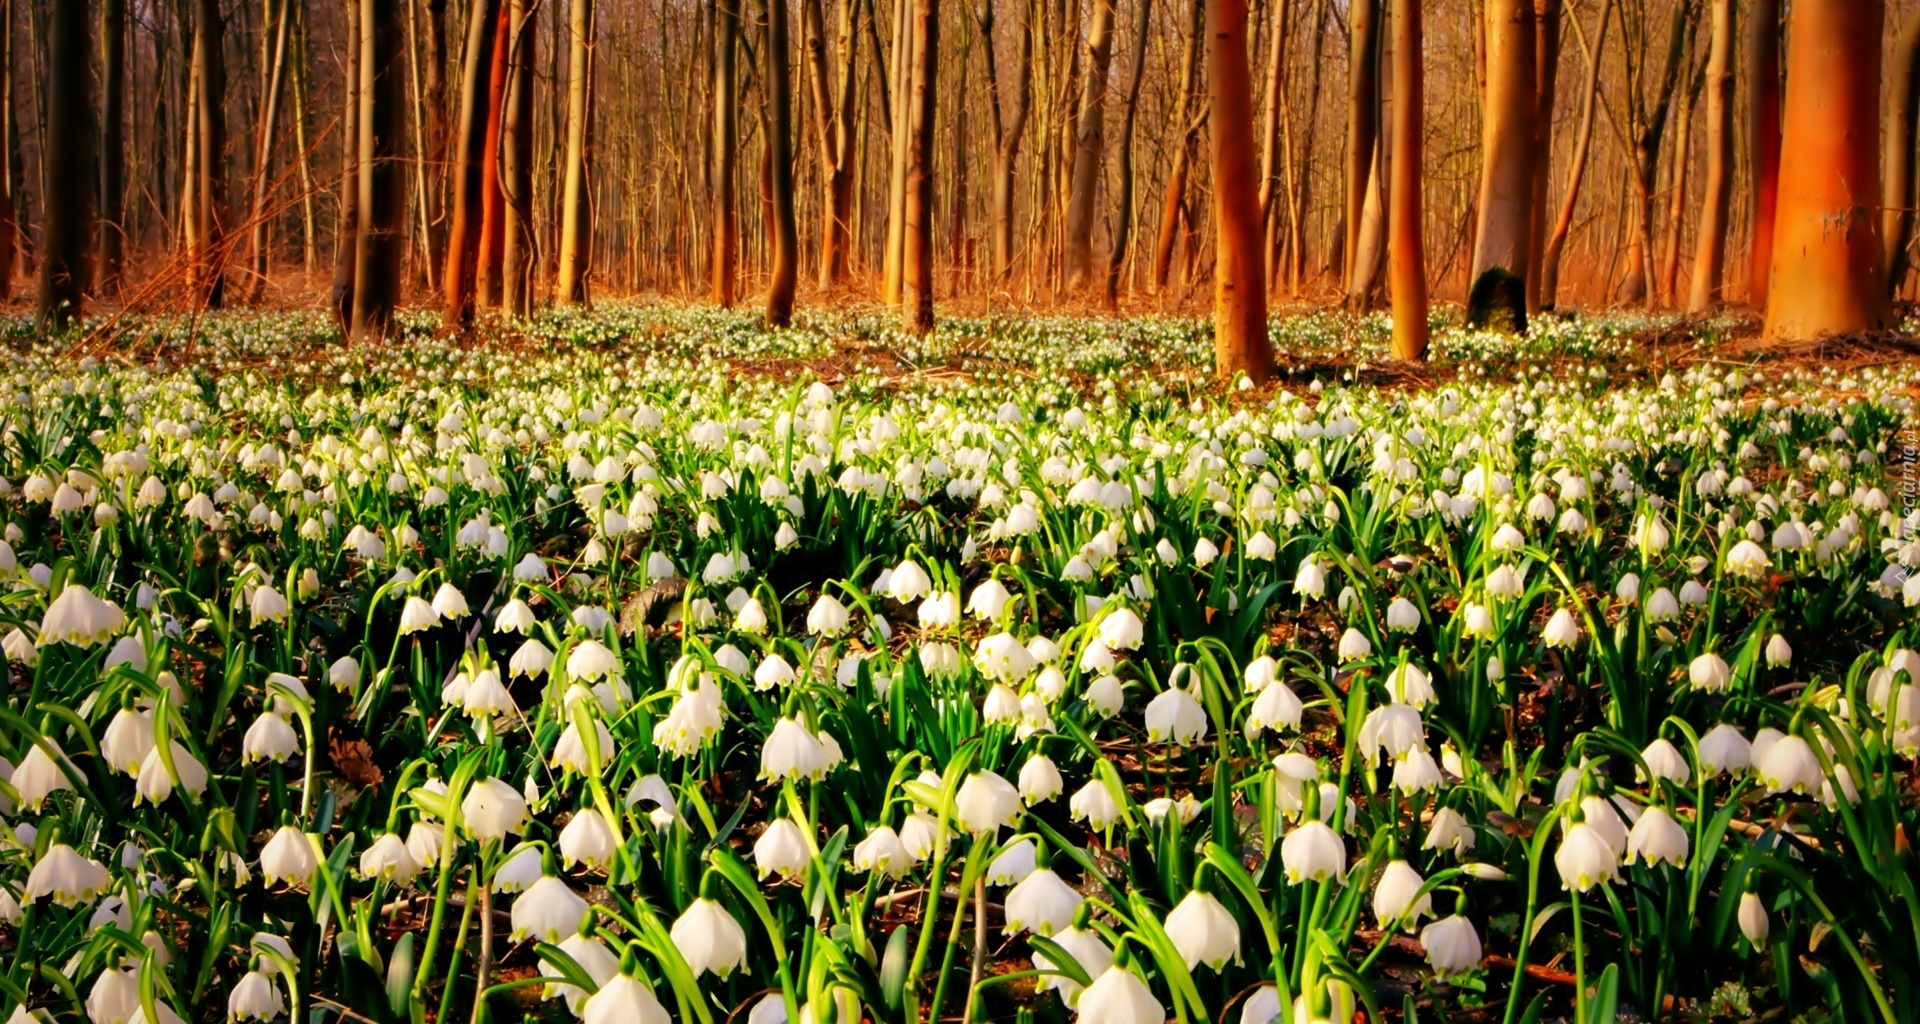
x: 464, y: 235
x: 1407, y: 248
x: 1897, y: 179
x: 1240, y: 287
x: 1763, y: 137
x: 1828, y: 275
x: 1503, y: 231
x: 1710, y: 256
x: 493, y: 202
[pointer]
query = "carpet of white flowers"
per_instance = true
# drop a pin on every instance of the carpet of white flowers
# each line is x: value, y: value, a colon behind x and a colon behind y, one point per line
x: 647, y: 665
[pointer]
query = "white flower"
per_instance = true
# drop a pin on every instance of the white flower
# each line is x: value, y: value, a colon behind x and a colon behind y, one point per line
x: 587, y: 840
x: 1790, y: 765
x: 882, y: 851
x: 1313, y: 852
x: 1003, y: 658
x: 792, y: 752
x: 344, y: 675
x: 254, y: 997
x: 988, y: 600
x: 267, y: 605
x: 986, y: 802
x: 516, y: 873
x: 1409, y: 684
x: 592, y: 956
x: 589, y: 660
x: 269, y: 738
x: 1311, y: 580
x: 1664, y: 761
x: 1040, y: 780
x: 781, y: 849
x: 449, y: 603
x: 710, y: 939
x: 1204, y: 931
x: 155, y: 782
x: 1394, y: 899
x: 1094, y: 802
x: 389, y: 858
x: 1779, y: 652
x: 1748, y: 560
x: 1354, y: 646
x: 1116, y: 996
x: 1277, y: 707
x: 908, y: 582
x: 1402, y: 616
x: 68, y: 877
x: 1041, y: 903
x: 1657, y: 837
x: 1121, y: 630
x: 127, y: 740
x: 548, y: 911
x: 1175, y: 716
x: 828, y: 617
x: 114, y: 998
x: 1449, y: 830
x: 288, y: 857
x: 1585, y: 859
x: 1753, y: 920
x: 77, y: 617
x: 773, y: 671
x: 1709, y: 672
x: 1561, y: 630
x: 493, y: 809
x: 1453, y: 947
x: 1013, y: 863
x: 623, y: 1000
x: 1088, y: 950
x: 1724, y: 749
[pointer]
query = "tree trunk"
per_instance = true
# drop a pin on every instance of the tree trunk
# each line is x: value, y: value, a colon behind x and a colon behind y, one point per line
x: 1896, y: 216
x: 464, y: 234
x: 265, y: 134
x: 1408, y: 248
x: 726, y: 132
x: 1270, y: 152
x: 68, y: 137
x: 433, y: 88
x: 1828, y: 276
x: 1240, y: 343
x: 517, y: 164
x: 833, y: 120
x: 346, y: 256
x: 1546, y: 70
x: 1302, y: 198
x: 1006, y: 136
x: 1677, y: 171
x: 113, y: 143
x: 309, y: 256
x: 488, y: 285
x: 1363, y: 124
x: 1089, y: 137
x: 900, y: 71
x: 1188, y: 124
x: 777, y: 90
x: 210, y: 190
x: 9, y: 227
x: 576, y: 215
x: 1503, y: 229
x: 1710, y: 256
x: 1651, y: 127
x: 1123, y: 205
x: 1577, y: 166
x: 917, y: 256
x: 1763, y: 137
x: 382, y: 181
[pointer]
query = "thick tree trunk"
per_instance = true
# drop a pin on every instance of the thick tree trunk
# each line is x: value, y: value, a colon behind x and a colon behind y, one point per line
x: 1763, y: 136
x: 488, y: 285
x: 1577, y: 166
x: 576, y: 215
x: 382, y: 181
x: 346, y: 255
x: 726, y: 173
x: 1240, y: 343
x: 1504, y: 227
x: 1363, y: 125
x: 778, y: 90
x: 469, y: 156
x: 1089, y: 137
x: 1123, y: 205
x: 265, y: 135
x: 113, y: 143
x: 1187, y: 123
x: 1710, y: 256
x: 1896, y: 215
x: 69, y: 142
x: 1408, y: 247
x: 210, y: 191
x: 1546, y: 70
x: 1006, y: 135
x: 516, y: 154
x: 918, y: 208
x: 1828, y: 274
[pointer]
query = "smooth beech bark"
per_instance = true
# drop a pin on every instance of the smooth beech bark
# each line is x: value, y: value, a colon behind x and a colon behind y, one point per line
x: 576, y: 213
x: 833, y: 105
x: 516, y: 163
x: 9, y: 228
x: 382, y: 178
x: 1763, y: 137
x: 265, y: 135
x: 1123, y: 203
x: 493, y: 200
x: 469, y: 179
x: 726, y: 156
x: 1896, y: 214
x: 1363, y: 126
x: 346, y: 254
x: 917, y: 209
x: 1504, y: 227
x: 1407, y: 247
x: 1089, y: 137
x: 210, y: 190
x: 1270, y: 134
x: 777, y: 90
x: 1828, y: 275
x: 1546, y: 68
x: 1240, y: 343
x: 113, y: 143
x: 69, y: 199
x: 1187, y: 123
x: 1710, y: 255
x: 1006, y: 133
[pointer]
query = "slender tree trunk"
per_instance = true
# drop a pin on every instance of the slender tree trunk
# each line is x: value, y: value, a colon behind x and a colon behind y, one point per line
x: 1006, y: 135
x: 265, y: 134
x: 1546, y: 69
x: 1089, y: 140
x: 726, y: 132
x: 1123, y: 206
x: 211, y: 189
x: 469, y: 156
x: 919, y: 209
x: 309, y: 256
x: 833, y: 125
x: 1710, y: 256
x: 1270, y: 151
x: 778, y: 92
x: 1828, y: 276
x: 1763, y: 136
x: 892, y: 263
x: 433, y: 88
x: 113, y: 143
x: 1504, y: 225
x: 517, y: 163
x: 1651, y: 128
x: 1302, y: 198
x: 1408, y: 248
x: 1188, y: 125
x: 68, y: 137
x: 1897, y: 173
x: 346, y: 256
x: 1240, y: 343
x: 383, y: 184
x: 1677, y: 172
x: 1363, y: 123
x: 489, y: 271
x: 1577, y: 166
x: 576, y: 214
x: 9, y: 227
